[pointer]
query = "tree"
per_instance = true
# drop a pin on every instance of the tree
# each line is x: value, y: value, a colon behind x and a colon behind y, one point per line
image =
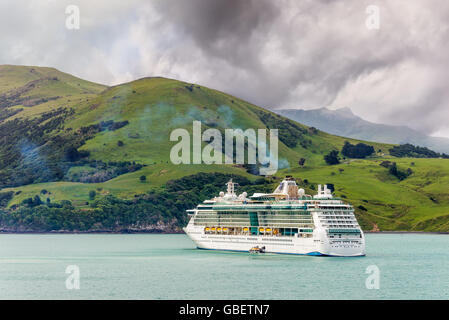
x: 341, y: 170
x: 37, y: 200
x: 332, y: 158
x: 393, y: 169
x: 313, y: 130
x: 120, y: 143
x: 143, y: 178
x: 301, y: 162
x: 401, y: 175
x: 5, y: 197
x: 72, y: 154
x: 358, y: 151
x: 92, y: 194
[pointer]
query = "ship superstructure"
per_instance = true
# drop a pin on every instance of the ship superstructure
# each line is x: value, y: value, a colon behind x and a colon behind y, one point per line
x: 286, y: 221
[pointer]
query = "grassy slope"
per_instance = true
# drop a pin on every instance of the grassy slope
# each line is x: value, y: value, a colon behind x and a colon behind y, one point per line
x: 156, y: 106
x: 391, y: 204
x: 48, y: 82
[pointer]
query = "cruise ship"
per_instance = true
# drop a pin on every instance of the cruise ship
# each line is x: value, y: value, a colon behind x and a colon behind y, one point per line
x: 287, y: 221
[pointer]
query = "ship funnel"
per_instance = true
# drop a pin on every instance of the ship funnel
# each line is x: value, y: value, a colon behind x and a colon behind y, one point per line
x: 288, y: 187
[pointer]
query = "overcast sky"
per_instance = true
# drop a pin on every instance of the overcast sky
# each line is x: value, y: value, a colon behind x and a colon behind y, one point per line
x: 276, y: 54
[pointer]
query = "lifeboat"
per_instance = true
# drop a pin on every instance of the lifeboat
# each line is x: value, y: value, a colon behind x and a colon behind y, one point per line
x: 261, y: 230
x: 207, y: 229
x: 225, y: 229
x: 213, y: 229
x: 218, y: 229
x: 268, y: 230
x: 245, y: 229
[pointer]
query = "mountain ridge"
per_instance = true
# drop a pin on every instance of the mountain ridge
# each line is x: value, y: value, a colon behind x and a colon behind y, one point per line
x: 343, y: 122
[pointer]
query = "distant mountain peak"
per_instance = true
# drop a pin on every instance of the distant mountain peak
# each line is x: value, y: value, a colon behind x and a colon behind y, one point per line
x: 345, y: 123
x: 345, y: 110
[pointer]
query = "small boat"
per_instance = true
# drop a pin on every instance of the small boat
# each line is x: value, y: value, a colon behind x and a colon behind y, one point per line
x: 257, y: 250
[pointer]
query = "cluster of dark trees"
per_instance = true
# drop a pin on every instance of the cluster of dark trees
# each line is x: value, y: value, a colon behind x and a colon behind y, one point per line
x: 109, y: 213
x: 28, y: 153
x: 101, y: 171
x: 332, y: 158
x: 358, y: 151
x: 105, y: 214
x: 411, y: 151
x: 289, y: 132
x: 110, y: 125
x: 32, y: 202
x: 209, y: 184
x: 6, y: 113
x: 395, y: 171
x: 5, y: 197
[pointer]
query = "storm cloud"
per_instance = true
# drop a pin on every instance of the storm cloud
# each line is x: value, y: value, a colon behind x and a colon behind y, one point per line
x: 276, y: 54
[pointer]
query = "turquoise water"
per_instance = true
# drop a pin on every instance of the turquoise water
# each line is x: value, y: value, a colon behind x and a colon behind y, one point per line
x: 145, y: 266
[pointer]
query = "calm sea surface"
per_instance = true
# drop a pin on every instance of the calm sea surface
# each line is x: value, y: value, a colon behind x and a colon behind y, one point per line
x: 145, y: 266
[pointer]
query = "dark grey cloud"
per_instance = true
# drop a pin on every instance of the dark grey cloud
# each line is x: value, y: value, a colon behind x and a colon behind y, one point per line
x: 277, y: 54
x: 223, y: 29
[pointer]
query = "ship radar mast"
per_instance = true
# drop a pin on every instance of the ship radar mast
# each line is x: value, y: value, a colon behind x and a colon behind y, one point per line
x: 230, y: 188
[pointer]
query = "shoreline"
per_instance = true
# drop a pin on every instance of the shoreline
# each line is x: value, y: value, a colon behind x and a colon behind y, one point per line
x: 182, y: 232
x: 407, y: 232
x: 90, y: 232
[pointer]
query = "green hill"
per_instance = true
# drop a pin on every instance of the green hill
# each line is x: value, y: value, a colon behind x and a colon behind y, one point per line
x: 27, y: 91
x: 89, y: 144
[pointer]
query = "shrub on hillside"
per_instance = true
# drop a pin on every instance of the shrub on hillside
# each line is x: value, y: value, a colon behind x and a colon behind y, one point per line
x: 409, y: 150
x: 358, y: 151
x: 332, y: 158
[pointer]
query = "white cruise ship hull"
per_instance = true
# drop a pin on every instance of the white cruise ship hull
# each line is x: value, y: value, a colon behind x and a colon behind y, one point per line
x: 314, y: 246
x: 286, y: 221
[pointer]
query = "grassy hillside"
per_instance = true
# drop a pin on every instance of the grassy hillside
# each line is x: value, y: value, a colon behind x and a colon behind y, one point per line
x: 156, y: 106
x: 144, y: 112
x: 30, y: 91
